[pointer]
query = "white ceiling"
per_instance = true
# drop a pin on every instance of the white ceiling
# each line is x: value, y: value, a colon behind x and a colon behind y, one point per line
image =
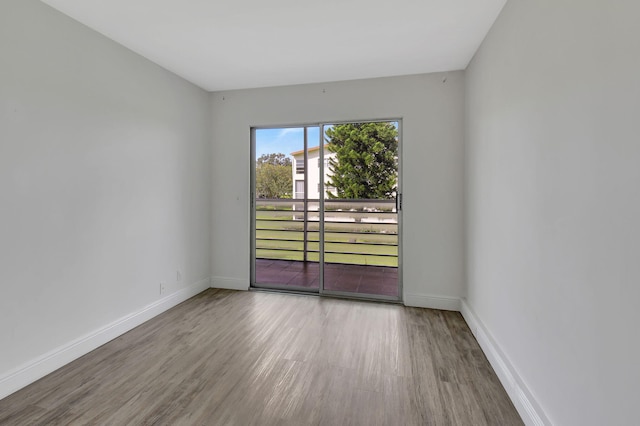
x: 224, y: 44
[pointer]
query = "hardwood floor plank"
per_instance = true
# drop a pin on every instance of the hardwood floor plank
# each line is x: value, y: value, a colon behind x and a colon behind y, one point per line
x: 27, y: 414
x: 249, y: 358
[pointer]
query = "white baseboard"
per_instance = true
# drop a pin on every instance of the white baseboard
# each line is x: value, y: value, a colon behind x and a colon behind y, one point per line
x: 432, y: 302
x: 229, y: 283
x: 52, y: 360
x: 528, y: 408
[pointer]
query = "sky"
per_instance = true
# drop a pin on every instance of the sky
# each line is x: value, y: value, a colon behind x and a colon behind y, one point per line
x: 285, y: 140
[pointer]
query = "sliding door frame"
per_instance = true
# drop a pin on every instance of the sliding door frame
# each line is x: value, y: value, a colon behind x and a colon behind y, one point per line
x: 399, y: 209
x: 252, y: 195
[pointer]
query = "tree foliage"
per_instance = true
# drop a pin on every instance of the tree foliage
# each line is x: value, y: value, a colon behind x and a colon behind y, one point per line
x: 366, y: 160
x: 273, y: 176
x: 277, y: 159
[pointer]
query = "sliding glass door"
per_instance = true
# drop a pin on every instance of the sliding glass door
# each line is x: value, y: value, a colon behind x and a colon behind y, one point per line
x: 325, y: 209
x: 285, y: 214
x: 360, y: 215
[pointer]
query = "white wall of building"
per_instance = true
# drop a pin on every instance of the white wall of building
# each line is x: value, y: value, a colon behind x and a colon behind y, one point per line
x: 313, y: 173
x: 432, y: 109
x: 105, y: 184
x: 553, y: 101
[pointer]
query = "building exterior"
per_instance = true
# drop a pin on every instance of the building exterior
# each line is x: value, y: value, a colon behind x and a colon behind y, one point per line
x: 313, y: 172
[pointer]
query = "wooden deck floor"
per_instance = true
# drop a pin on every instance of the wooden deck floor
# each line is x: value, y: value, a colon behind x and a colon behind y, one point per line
x: 251, y: 358
x: 361, y: 279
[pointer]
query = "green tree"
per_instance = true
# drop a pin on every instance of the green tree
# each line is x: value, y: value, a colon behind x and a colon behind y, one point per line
x: 273, y: 176
x: 366, y: 160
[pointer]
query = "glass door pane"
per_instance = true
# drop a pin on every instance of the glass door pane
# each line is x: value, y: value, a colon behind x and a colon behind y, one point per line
x: 360, y: 215
x: 286, y: 222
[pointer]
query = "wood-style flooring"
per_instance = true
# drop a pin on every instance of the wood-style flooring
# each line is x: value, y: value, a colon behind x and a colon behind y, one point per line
x: 254, y: 358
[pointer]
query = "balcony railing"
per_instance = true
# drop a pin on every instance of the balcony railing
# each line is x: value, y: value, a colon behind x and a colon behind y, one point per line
x: 358, y: 232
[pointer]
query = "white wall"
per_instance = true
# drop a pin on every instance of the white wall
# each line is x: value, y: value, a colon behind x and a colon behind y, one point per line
x: 104, y: 184
x: 553, y: 103
x: 313, y: 172
x: 432, y: 155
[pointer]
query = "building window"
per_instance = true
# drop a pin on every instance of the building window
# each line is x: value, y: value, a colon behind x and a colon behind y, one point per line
x: 300, y: 166
x: 299, y: 189
x: 326, y: 163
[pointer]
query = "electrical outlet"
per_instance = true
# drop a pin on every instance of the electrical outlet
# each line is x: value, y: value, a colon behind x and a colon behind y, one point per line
x: 178, y: 275
x: 163, y: 287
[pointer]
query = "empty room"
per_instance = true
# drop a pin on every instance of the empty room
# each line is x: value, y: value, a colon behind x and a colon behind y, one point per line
x: 319, y: 213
